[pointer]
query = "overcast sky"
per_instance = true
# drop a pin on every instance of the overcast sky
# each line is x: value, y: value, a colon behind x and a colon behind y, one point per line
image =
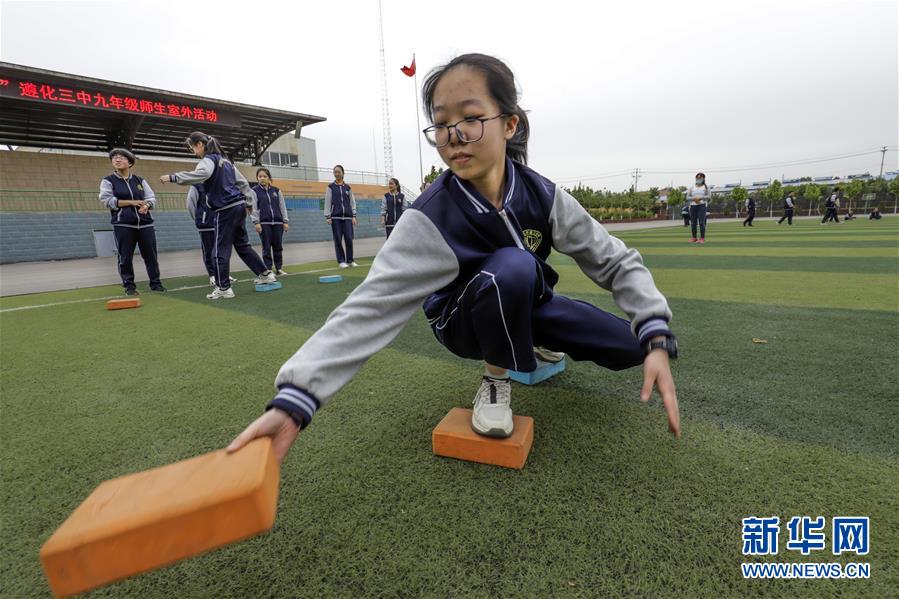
x: 610, y: 86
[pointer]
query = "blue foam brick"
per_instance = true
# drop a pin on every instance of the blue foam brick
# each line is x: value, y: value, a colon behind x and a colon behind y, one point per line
x: 330, y: 279
x: 544, y: 371
x: 269, y: 286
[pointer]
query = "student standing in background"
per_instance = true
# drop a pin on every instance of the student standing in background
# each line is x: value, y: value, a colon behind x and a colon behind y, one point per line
x: 750, y: 209
x: 270, y: 220
x: 788, y: 208
x: 698, y: 198
x: 199, y: 212
x: 832, y: 205
x: 392, y: 206
x: 340, y: 213
x: 130, y: 199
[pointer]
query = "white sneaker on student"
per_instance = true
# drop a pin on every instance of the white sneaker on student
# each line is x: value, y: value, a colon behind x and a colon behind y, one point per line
x: 492, y: 413
x: 547, y: 355
x: 212, y: 281
x: 344, y: 265
x: 218, y: 293
x: 232, y: 279
x: 280, y: 272
x: 353, y: 264
x: 264, y: 279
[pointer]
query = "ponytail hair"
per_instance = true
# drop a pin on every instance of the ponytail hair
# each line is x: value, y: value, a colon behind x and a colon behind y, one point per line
x: 210, y: 144
x: 501, y: 86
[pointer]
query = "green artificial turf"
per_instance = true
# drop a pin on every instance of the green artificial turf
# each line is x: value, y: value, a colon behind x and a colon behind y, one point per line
x: 608, y: 503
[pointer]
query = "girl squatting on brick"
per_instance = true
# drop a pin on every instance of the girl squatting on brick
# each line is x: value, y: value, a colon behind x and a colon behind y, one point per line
x: 472, y: 252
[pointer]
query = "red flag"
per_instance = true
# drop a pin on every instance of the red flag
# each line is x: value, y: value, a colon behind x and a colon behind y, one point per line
x: 410, y: 70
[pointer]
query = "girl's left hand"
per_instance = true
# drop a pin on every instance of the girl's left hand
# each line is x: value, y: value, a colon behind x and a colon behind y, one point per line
x: 354, y: 221
x: 285, y: 226
x: 164, y: 179
x: 657, y: 372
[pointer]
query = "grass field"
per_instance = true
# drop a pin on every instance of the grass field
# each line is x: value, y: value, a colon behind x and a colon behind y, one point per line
x: 608, y: 504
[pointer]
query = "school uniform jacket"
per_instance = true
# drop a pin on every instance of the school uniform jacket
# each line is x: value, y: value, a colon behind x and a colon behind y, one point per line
x: 225, y: 186
x: 392, y: 207
x: 269, y: 207
x: 196, y: 206
x: 340, y: 203
x: 440, y: 242
x: 114, y: 187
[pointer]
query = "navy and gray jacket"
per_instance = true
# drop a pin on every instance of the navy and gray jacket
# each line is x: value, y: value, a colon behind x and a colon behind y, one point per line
x: 392, y: 207
x: 114, y: 187
x: 225, y: 186
x: 199, y: 211
x: 268, y: 206
x: 441, y: 240
x: 339, y: 202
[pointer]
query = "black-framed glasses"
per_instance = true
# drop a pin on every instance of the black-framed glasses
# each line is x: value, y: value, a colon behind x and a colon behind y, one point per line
x: 467, y: 131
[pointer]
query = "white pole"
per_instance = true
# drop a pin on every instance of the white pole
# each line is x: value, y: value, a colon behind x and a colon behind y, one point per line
x: 421, y: 170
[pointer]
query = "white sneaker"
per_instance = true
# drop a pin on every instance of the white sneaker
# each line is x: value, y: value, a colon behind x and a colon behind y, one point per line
x: 280, y: 272
x: 546, y: 355
x: 353, y: 264
x: 221, y: 294
x: 212, y: 281
x: 492, y: 413
x: 344, y: 265
x: 264, y: 279
x: 232, y: 279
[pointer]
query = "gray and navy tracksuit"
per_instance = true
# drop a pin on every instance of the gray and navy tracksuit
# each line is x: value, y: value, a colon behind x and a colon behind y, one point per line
x: 228, y: 195
x: 487, y: 291
x: 832, y: 204
x: 196, y: 206
x: 270, y: 212
x: 392, y: 207
x: 788, y: 211
x: 130, y: 227
x: 750, y: 208
x: 698, y: 199
x: 340, y: 208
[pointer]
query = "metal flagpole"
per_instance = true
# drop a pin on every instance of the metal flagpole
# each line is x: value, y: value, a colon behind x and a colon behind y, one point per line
x: 421, y: 169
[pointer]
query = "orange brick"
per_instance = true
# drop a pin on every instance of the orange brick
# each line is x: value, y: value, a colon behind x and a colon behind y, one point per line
x: 150, y: 519
x: 121, y: 304
x: 454, y: 438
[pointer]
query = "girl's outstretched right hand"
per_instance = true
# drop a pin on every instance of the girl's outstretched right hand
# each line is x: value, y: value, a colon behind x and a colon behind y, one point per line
x: 274, y: 423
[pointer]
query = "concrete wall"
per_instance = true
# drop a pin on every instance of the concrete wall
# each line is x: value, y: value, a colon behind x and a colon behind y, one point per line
x: 33, y: 236
x: 304, y: 148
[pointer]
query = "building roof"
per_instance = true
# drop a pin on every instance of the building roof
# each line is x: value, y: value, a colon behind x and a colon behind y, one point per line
x: 47, y: 109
